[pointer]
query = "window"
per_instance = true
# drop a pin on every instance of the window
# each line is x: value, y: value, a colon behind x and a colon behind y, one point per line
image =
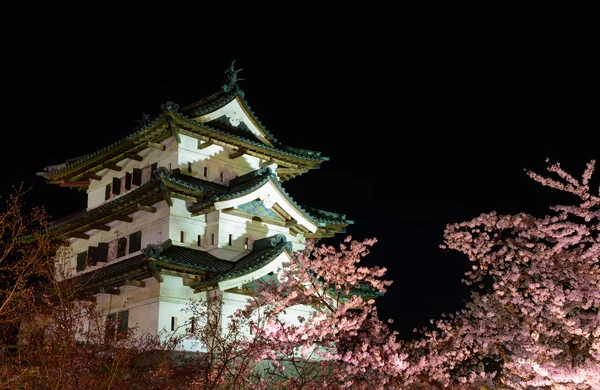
x: 205, y: 171
x: 103, y: 252
x: 212, y: 238
x: 153, y: 168
x: 92, y: 255
x: 116, y: 186
x: 193, y: 325
x: 246, y: 243
x: 123, y: 323
x: 122, y: 247
x: 118, y: 322
x: 190, y: 167
x: 137, y: 177
x: 230, y: 239
x: 81, y: 260
x: 135, y: 242
x: 173, y: 323
x: 182, y: 236
x: 127, y: 181
x: 107, y: 192
x: 221, y: 176
x: 199, y: 240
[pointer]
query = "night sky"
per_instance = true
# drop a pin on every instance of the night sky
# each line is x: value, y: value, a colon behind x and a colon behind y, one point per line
x: 410, y: 149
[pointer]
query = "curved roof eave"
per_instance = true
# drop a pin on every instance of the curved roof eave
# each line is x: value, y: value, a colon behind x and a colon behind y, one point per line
x: 261, y: 177
x: 53, y: 172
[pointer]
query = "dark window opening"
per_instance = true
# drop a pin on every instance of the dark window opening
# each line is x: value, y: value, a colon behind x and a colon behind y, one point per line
x: 205, y: 171
x: 81, y: 260
x: 127, y: 181
x: 135, y: 242
x: 182, y: 236
x: 92, y: 255
x: 230, y: 239
x: 123, y: 323
x: 116, y: 186
x: 221, y: 176
x: 103, y: 252
x: 137, y: 177
x: 212, y: 238
x: 173, y: 323
x: 189, y: 167
x: 107, y: 192
x: 153, y: 168
x: 122, y: 247
x: 193, y: 325
x: 246, y: 242
x: 199, y: 240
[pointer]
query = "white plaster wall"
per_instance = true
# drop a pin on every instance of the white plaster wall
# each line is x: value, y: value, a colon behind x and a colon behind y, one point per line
x: 232, y: 302
x: 241, y: 227
x: 166, y: 158
x: 181, y: 221
x: 154, y: 227
x: 142, y: 303
x: 216, y: 159
x: 174, y: 299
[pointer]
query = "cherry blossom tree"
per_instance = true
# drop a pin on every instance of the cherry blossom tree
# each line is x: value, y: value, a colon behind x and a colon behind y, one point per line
x: 533, y: 320
x: 66, y: 342
x: 341, y: 344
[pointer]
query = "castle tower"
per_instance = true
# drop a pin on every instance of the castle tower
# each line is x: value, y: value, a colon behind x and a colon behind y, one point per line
x: 189, y: 205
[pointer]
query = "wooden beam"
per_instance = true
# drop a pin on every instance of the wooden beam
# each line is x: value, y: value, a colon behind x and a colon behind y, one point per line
x: 183, y: 196
x: 156, y: 146
x: 290, y: 223
x: 123, y: 218
x: 165, y: 193
x: 134, y: 156
x: 175, y: 133
x: 291, y: 170
x: 205, y: 144
x: 113, y: 166
x: 136, y: 283
x: 83, y: 236
x: 92, y: 176
x: 99, y: 226
x: 190, y: 281
x: 149, y: 209
x: 237, y: 153
x: 84, y: 183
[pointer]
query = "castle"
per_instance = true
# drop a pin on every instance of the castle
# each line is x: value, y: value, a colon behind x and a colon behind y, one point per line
x: 188, y: 206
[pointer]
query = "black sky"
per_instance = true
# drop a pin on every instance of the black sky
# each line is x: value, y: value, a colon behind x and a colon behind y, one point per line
x: 411, y: 148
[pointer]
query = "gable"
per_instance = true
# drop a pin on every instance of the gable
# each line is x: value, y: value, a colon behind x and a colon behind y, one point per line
x: 235, y: 118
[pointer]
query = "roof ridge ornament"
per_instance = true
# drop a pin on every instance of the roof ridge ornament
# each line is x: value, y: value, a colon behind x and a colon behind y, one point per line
x: 232, y: 79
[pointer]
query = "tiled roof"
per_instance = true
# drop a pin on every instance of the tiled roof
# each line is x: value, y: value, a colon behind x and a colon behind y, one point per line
x: 264, y: 251
x: 251, y: 181
x: 189, y: 182
x: 187, y: 257
x: 112, y: 270
x: 55, y: 169
x: 212, y: 105
x: 281, y: 149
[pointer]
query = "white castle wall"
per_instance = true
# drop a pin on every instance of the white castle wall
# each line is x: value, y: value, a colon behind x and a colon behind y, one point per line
x: 152, y: 307
x: 154, y: 227
x: 166, y: 158
x: 142, y: 303
x: 215, y: 159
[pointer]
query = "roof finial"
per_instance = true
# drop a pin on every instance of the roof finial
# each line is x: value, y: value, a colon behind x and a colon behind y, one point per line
x: 232, y: 78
